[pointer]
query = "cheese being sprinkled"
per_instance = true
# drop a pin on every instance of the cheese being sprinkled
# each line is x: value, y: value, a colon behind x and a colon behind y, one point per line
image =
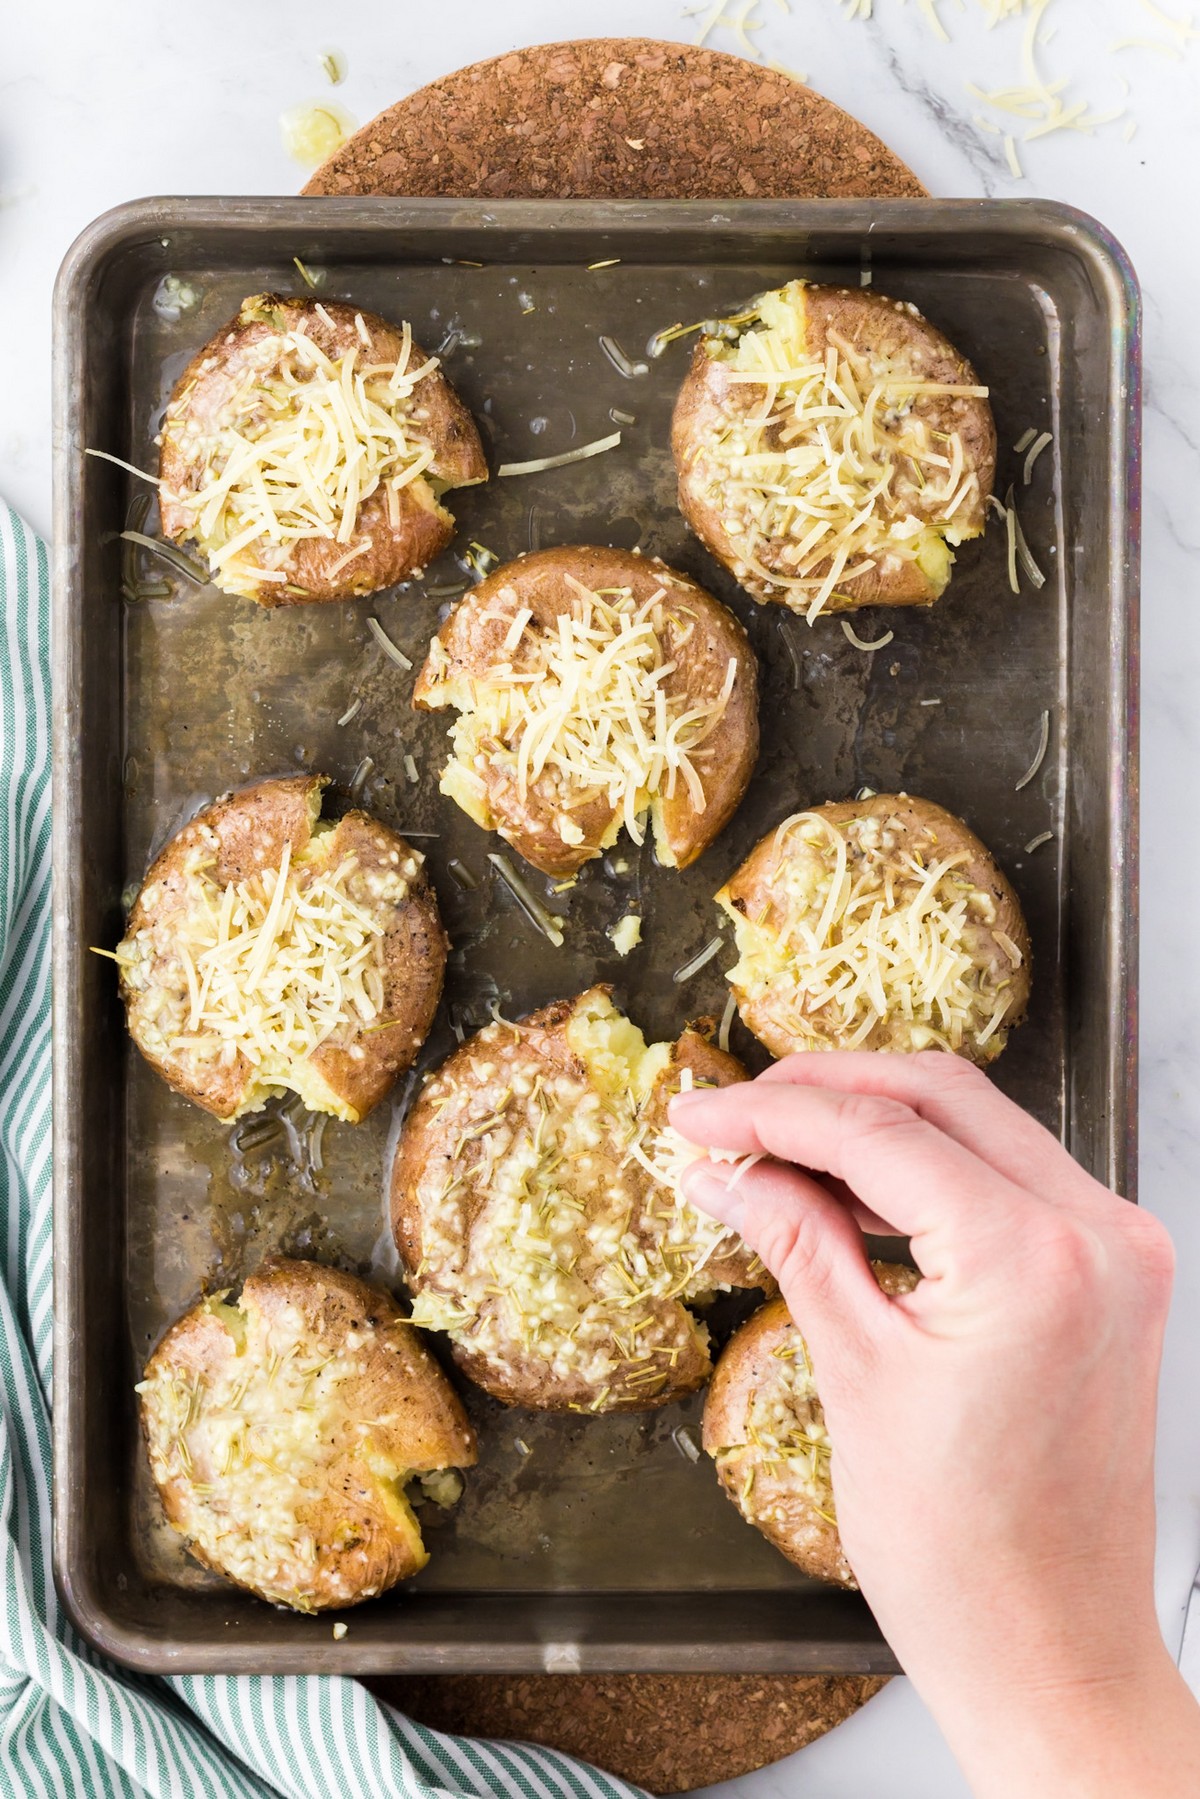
x: 824, y: 467
x: 583, y: 707
x: 554, y: 1241
x: 869, y: 937
x: 297, y: 449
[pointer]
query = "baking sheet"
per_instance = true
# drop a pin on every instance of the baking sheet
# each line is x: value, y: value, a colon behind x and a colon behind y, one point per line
x: 579, y: 1542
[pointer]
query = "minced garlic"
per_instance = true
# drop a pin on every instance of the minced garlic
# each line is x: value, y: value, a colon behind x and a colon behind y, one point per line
x: 785, y: 1423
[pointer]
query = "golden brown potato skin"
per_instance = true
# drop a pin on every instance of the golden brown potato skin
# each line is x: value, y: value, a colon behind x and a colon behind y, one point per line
x: 251, y: 828
x: 474, y: 643
x: 926, y: 826
x: 861, y: 317
x: 417, y: 1424
x: 424, y: 528
x: 486, y: 1063
x: 778, y: 1504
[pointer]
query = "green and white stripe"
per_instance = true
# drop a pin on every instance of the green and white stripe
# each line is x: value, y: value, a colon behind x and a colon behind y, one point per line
x: 71, y: 1724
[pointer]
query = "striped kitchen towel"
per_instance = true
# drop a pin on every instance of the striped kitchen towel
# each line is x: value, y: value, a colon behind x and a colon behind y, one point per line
x: 70, y: 1723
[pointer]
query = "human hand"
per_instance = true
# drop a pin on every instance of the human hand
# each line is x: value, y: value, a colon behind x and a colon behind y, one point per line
x: 993, y: 1430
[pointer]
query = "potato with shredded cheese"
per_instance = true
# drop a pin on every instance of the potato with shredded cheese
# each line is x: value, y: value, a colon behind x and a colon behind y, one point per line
x: 832, y: 450
x: 594, y: 687
x: 880, y: 923
x: 537, y: 1211
x: 764, y: 1426
x: 306, y: 449
x: 270, y: 950
x: 284, y: 1425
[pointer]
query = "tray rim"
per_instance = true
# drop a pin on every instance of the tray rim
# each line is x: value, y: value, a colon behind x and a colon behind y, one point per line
x: 1016, y: 221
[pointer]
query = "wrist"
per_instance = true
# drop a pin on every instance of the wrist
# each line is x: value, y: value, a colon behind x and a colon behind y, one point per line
x: 1087, y: 1731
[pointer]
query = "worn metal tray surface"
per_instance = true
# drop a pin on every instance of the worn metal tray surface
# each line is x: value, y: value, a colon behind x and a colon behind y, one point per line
x: 580, y: 1543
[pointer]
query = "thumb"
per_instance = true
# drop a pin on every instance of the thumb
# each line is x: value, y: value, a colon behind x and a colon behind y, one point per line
x: 811, y: 1244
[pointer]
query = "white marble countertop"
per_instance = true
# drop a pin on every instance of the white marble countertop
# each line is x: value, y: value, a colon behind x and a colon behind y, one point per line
x: 102, y: 103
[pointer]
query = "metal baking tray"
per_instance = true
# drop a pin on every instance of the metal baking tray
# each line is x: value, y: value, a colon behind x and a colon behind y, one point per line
x: 597, y: 1543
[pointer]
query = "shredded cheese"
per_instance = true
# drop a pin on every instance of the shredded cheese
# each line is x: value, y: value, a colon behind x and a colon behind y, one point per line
x: 258, y: 974
x: 540, y: 464
x: 297, y: 450
x: 833, y: 468
x: 583, y: 707
x: 871, y: 937
x: 859, y: 643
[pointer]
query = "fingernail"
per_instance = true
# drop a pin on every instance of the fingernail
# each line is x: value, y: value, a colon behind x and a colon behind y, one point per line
x: 705, y: 1188
x: 682, y: 1102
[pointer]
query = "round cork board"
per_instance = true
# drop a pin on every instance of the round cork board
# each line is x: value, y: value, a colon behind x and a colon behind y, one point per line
x: 668, y: 1733
x: 625, y: 118
x: 619, y: 119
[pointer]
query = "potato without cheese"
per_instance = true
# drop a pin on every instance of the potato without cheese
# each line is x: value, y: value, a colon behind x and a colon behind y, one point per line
x: 283, y: 1427
x: 764, y: 1426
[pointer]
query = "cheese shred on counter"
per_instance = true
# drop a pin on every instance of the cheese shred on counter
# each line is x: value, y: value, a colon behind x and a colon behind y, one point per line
x: 833, y: 470
x: 296, y: 451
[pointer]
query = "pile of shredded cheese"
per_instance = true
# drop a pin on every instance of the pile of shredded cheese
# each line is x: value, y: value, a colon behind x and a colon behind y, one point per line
x: 834, y: 471
x: 553, y: 1234
x: 581, y: 708
x: 264, y: 970
x: 859, y: 933
x: 297, y: 451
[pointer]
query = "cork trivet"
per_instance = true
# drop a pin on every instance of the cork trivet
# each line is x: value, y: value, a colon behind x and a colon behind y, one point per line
x: 617, y: 118
x: 668, y: 1733
x: 625, y: 118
